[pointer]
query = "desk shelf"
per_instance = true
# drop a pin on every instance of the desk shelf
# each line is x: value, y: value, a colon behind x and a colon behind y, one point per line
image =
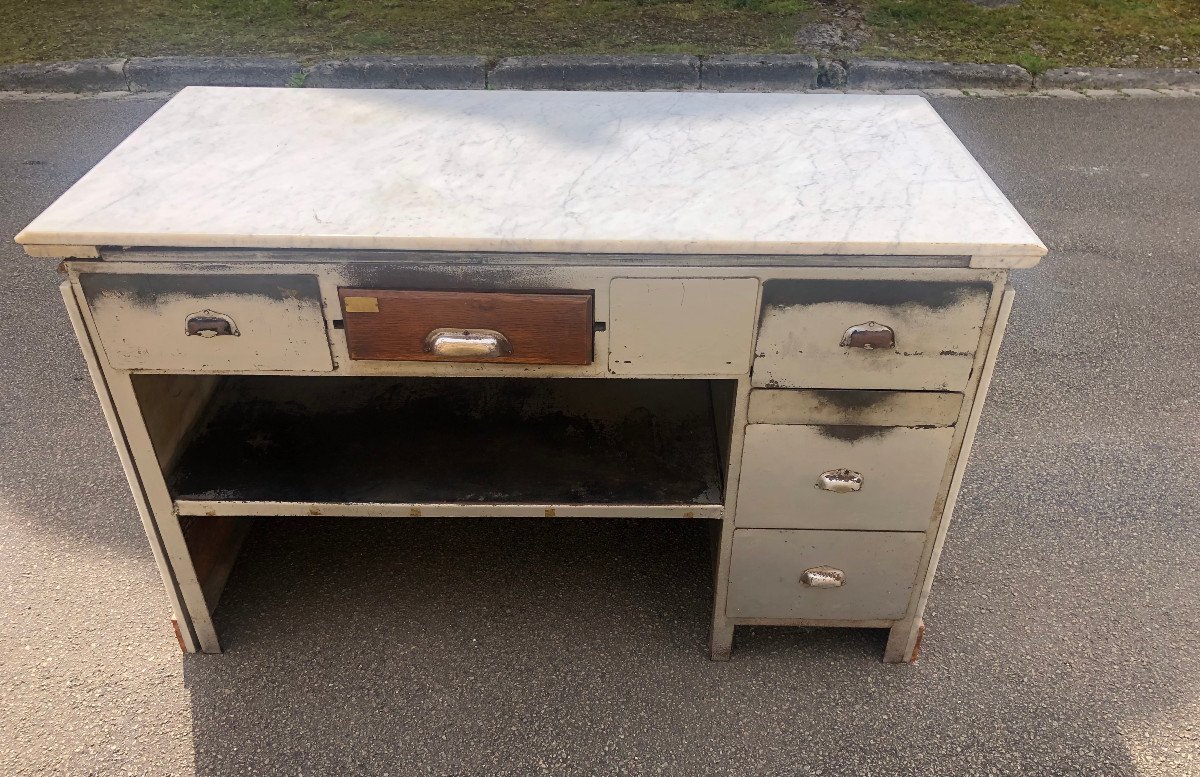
x: 382, y: 446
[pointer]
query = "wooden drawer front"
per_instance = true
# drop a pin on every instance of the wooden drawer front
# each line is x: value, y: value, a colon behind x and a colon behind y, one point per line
x: 767, y: 575
x: 899, y: 472
x: 209, y: 323
x: 812, y: 334
x: 523, y: 328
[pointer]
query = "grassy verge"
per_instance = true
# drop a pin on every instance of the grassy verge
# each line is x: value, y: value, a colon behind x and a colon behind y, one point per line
x: 1040, y: 33
x: 67, y: 29
x: 1037, y: 33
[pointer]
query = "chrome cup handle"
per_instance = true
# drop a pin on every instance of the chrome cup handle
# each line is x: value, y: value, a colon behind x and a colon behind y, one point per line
x: 823, y: 577
x: 840, y: 481
x: 467, y: 343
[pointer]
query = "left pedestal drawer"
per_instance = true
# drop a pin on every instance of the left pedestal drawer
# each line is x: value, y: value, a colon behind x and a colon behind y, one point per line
x: 205, y: 323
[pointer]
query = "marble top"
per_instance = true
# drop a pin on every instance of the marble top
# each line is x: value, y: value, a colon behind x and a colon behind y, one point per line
x: 595, y: 172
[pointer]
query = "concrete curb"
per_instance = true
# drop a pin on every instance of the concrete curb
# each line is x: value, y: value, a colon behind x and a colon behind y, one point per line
x: 897, y: 74
x: 723, y: 72
x: 621, y: 73
x: 84, y: 75
x: 431, y: 72
x: 1117, y: 78
x: 161, y: 74
x: 765, y: 73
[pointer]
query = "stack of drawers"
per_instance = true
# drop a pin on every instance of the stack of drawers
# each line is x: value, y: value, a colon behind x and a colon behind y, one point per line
x: 850, y: 447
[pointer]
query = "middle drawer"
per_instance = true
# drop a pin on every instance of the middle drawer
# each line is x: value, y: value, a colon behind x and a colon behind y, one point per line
x: 457, y: 326
x: 884, y: 478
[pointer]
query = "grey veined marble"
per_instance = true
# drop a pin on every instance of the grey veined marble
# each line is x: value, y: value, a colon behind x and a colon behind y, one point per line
x: 543, y: 171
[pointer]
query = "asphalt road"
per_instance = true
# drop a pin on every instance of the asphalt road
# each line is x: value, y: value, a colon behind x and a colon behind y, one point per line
x: 1064, y: 627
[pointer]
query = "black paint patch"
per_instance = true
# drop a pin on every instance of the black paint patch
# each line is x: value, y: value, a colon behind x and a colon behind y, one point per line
x: 407, y: 440
x: 455, y: 277
x: 850, y: 433
x: 148, y: 289
x: 852, y: 399
x: 787, y: 292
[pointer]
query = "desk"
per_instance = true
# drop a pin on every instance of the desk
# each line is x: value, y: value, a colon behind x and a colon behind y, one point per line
x: 775, y: 313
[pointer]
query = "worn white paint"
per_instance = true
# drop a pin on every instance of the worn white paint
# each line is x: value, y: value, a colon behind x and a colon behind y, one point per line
x: 854, y: 407
x: 765, y: 578
x: 681, y: 326
x: 901, y: 470
x: 178, y: 606
x: 661, y: 173
x: 659, y: 312
x: 800, y: 346
x: 272, y: 334
x: 63, y: 252
x: 906, y: 634
x: 648, y: 191
x: 444, y: 510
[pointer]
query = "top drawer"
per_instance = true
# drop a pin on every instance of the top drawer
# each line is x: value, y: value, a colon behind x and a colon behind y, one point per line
x: 869, y: 334
x: 209, y: 323
x: 457, y: 326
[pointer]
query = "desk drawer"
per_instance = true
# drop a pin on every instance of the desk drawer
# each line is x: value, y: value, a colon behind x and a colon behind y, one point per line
x: 207, y: 323
x: 841, y: 477
x: 453, y: 326
x: 869, y: 334
x: 822, y: 575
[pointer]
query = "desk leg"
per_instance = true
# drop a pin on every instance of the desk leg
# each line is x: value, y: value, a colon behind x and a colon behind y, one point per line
x: 900, y: 650
x: 720, y: 641
x: 191, y: 618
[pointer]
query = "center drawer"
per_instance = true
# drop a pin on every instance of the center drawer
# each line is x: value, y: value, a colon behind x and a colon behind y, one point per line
x: 454, y: 326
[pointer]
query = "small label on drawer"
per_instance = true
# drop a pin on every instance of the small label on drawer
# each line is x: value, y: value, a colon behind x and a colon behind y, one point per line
x: 361, y: 304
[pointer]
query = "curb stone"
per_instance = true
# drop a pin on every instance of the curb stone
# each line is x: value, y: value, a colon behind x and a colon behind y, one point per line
x: 83, y: 75
x: 896, y: 74
x: 1142, y: 93
x: 1118, y: 78
x: 832, y: 74
x: 768, y: 72
x: 765, y: 73
x: 1066, y: 94
x: 414, y: 72
x: 158, y: 74
x: 632, y: 73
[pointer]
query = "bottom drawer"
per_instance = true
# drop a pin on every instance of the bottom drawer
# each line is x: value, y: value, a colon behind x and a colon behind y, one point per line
x: 823, y: 575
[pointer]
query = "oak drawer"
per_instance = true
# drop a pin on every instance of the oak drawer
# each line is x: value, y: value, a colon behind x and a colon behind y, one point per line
x: 204, y: 323
x: 822, y: 575
x: 869, y: 334
x: 841, y: 477
x: 453, y: 326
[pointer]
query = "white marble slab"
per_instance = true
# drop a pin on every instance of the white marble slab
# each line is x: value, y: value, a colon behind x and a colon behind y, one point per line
x: 542, y: 171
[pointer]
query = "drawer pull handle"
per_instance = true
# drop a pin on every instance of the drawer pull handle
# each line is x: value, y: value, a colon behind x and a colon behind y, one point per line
x: 869, y: 336
x: 209, y: 323
x: 823, y: 577
x: 840, y: 481
x: 467, y: 343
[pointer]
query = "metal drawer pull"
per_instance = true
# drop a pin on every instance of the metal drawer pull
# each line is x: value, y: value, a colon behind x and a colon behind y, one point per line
x: 823, y: 577
x: 467, y: 343
x: 209, y: 323
x: 869, y: 336
x: 840, y: 481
